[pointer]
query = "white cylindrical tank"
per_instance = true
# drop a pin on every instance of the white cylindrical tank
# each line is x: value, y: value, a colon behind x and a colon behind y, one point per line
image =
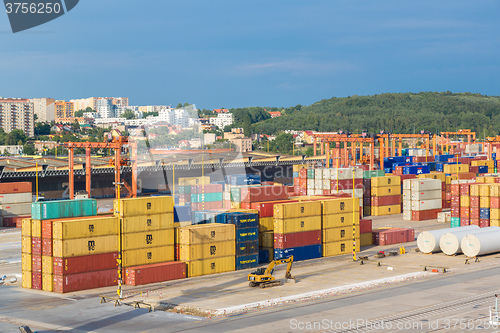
x: 482, y: 243
x: 450, y: 242
x: 428, y: 241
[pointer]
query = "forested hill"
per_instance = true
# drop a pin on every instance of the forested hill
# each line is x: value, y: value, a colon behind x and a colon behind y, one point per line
x: 397, y: 113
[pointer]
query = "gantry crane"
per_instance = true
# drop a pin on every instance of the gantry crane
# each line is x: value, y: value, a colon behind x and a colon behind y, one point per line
x: 462, y: 132
x: 116, y: 143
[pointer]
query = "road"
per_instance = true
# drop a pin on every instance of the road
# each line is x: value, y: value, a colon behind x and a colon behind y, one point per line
x: 435, y: 304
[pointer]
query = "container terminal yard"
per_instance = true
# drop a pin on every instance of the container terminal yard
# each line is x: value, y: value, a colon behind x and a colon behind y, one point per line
x: 362, y: 236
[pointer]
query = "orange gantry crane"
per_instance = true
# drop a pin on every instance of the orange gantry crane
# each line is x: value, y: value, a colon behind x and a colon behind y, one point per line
x: 115, y: 143
x: 471, y: 137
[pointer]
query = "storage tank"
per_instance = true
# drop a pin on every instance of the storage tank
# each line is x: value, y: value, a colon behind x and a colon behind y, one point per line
x: 428, y: 241
x: 482, y: 243
x: 450, y: 242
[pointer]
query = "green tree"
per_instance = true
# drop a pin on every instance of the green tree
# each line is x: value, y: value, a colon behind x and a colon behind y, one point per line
x: 179, y: 106
x: 128, y: 114
x: 76, y: 126
x: 79, y: 113
x: 29, y: 149
x: 284, y: 143
x: 16, y: 136
x: 42, y: 129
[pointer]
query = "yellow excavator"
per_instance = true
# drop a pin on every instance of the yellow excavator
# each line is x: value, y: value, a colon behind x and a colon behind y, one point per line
x: 263, y: 277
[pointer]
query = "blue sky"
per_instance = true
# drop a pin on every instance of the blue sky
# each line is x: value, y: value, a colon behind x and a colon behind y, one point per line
x: 254, y: 53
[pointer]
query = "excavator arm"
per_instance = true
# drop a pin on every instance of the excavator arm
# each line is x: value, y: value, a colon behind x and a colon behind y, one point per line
x: 265, y: 278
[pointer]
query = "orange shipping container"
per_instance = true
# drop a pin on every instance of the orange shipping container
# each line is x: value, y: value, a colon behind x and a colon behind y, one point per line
x: 17, y: 187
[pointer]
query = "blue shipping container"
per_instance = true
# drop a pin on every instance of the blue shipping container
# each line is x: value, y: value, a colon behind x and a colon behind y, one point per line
x: 416, y: 170
x: 243, y: 220
x: 483, y: 169
x: 244, y: 262
x: 59, y: 209
x: 247, y: 248
x: 299, y: 253
x: 263, y: 256
x: 247, y: 234
x: 484, y: 213
x: 443, y: 158
x: 182, y: 213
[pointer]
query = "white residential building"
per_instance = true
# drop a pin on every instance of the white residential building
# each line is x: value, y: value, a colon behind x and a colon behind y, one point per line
x: 44, y: 109
x: 222, y: 120
x: 105, y: 108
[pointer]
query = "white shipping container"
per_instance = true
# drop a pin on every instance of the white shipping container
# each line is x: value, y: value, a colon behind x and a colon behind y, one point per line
x: 310, y: 183
x: 444, y: 217
x: 318, y: 174
x: 327, y: 184
x: 318, y: 184
x: 426, y: 204
x: 407, y: 184
x: 406, y: 194
x: 227, y: 196
x: 407, y: 205
x: 326, y: 174
x: 342, y: 173
x: 407, y: 215
x: 15, y: 209
x: 426, y: 195
x: 12, y: 198
x: 425, y: 184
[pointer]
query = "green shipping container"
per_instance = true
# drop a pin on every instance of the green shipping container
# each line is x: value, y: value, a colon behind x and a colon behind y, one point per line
x: 236, y: 195
x: 310, y: 174
x: 184, y: 189
x: 455, y: 222
x: 206, y: 197
x: 373, y: 173
x: 46, y: 210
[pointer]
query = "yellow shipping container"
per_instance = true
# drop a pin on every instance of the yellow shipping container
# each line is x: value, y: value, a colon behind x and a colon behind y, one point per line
x: 386, y: 181
x: 297, y: 209
x: 235, y: 205
x: 84, y: 246
x: 147, y: 256
x: 266, y: 239
x: 297, y: 167
x: 340, y: 220
x: 480, y: 179
x: 464, y: 201
x: 210, y: 266
x: 182, y: 224
x: 494, y: 223
x: 26, y: 261
x: 386, y: 210
x: 339, y: 234
x: 26, y: 276
x: 366, y: 239
x: 286, y: 226
x: 85, y: 227
x: 148, y: 222
x: 455, y: 168
x: 433, y: 175
x: 36, y: 228
x: 339, y: 206
x: 266, y: 224
x: 450, y: 178
x: 474, y: 190
x: 143, y: 206
x: 495, y: 190
x: 490, y: 179
x: 206, y: 251
x: 489, y: 163
x: 25, y: 244
x: 26, y: 227
x: 484, y: 202
x: 206, y: 233
x: 189, y: 181
x: 386, y: 191
x: 338, y: 248
x: 484, y: 190
x: 47, y: 265
x: 147, y: 239
x: 47, y: 282
x: 494, y: 214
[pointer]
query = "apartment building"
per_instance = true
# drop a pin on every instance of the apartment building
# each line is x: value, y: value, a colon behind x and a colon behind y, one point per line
x: 17, y: 113
x: 64, y: 109
x: 44, y: 109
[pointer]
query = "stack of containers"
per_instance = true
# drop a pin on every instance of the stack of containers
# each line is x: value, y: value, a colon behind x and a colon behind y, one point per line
x: 26, y: 254
x: 300, y: 179
x: 386, y: 195
x: 422, y: 199
x: 206, y: 197
x: 340, y: 226
x: 184, y: 195
x: 15, y: 203
x: 207, y: 248
x: 365, y: 230
x: 182, y: 216
x: 442, y: 177
x: 494, y: 193
x: 455, y: 205
x: 247, y: 238
x: 185, y: 184
x: 297, y: 230
x: 489, y: 164
x: 367, y: 194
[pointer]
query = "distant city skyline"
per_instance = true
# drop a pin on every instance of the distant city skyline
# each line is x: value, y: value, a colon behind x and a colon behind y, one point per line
x: 225, y: 54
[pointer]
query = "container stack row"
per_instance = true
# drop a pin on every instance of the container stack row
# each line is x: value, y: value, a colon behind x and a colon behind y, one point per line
x: 341, y: 232
x: 386, y: 195
x: 422, y: 199
x: 15, y: 203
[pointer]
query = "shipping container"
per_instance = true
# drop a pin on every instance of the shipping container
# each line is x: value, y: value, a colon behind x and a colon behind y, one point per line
x: 81, y: 264
x: 299, y: 253
x: 297, y: 239
x: 47, y: 282
x: 247, y: 234
x: 365, y: 226
x: 147, y: 222
x: 247, y: 248
x: 148, y: 256
x: 26, y: 261
x: 36, y: 245
x: 365, y: 239
x: 84, y: 246
x: 47, y: 246
x: 386, y: 210
x: 266, y: 239
x: 385, y: 191
x: 340, y: 220
x: 85, y: 281
x: 210, y: 266
x: 147, y: 239
x: 266, y: 208
x: 26, y: 227
x: 339, y: 206
x: 297, y: 209
x: 205, y: 233
x: 36, y: 263
x: 248, y: 261
x: 143, y: 206
x: 84, y: 227
x: 26, y: 277
x: 339, y: 234
x: 168, y: 271
x: 290, y: 225
x: 15, y: 198
x: 26, y: 244
x: 36, y: 280
x: 15, y: 187
x: 263, y: 193
x: 47, y: 264
x: 386, y: 201
x: 46, y: 210
x: 206, y: 250
x: 425, y: 214
x: 386, y: 181
x: 36, y: 228
x: 341, y: 247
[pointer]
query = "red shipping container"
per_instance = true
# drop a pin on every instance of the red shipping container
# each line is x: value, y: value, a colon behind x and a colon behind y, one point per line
x: 497, y: 179
x: 367, y: 183
x: 455, y: 189
x: 47, y: 229
x: 206, y: 205
x: 85, y: 281
x: 480, y: 158
x: 448, y: 187
x: 14, y: 221
x: 464, y: 222
x: 36, y: 262
x: 387, y: 200
x: 474, y: 221
x: 303, y: 173
x: 364, y: 167
x: 36, y: 245
x: 326, y: 192
x: 404, y: 177
x: 398, y: 170
x: 177, y: 253
x: 367, y: 201
x: 185, y: 197
x: 81, y: 264
x: 209, y: 188
x: 345, y: 184
x: 455, y: 201
x: 139, y: 275
x: 465, y: 212
x: 16, y: 187
x: 36, y: 280
x: 474, y: 169
x: 465, y: 189
x: 467, y: 175
x: 266, y: 183
x: 494, y: 202
x: 365, y: 226
x: 447, y: 195
x: 285, y: 241
x: 393, y: 236
x: 263, y: 193
x: 422, y: 215
x: 455, y: 211
x: 47, y: 247
x: 474, y: 213
x: 446, y: 203
x: 266, y: 208
x: 474, y: 201
x: 483, y: 223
